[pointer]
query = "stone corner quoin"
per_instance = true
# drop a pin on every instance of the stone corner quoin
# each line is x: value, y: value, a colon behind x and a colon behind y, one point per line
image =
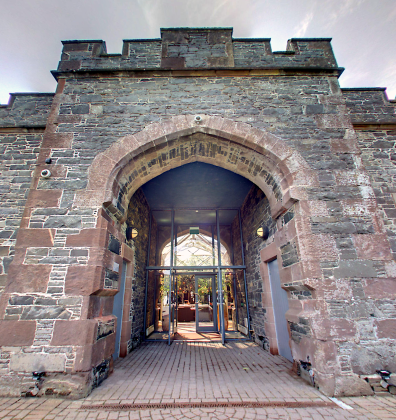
x: 321, y: 159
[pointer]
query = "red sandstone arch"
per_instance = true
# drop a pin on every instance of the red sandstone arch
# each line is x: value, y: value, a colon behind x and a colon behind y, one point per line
x: 110, y: 170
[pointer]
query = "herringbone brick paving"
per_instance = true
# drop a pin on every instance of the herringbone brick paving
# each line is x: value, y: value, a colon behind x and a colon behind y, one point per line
x: 199, y: 372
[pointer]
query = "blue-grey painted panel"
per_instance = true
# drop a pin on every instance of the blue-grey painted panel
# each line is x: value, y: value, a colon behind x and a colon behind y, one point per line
x: 280, y: 305
x: 118, y: 307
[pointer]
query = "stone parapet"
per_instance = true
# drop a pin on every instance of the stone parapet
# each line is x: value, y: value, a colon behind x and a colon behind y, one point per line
x: 197, y: 48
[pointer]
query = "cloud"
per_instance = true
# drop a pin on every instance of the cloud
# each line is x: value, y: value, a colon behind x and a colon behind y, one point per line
x: 387, y: 78
x: 337, y: 11
x: 301, y: 29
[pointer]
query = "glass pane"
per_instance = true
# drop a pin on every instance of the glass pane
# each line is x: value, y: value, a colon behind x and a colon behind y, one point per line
x: 205, y: 294
x: 229, y: 300
x: 241, y: 316
x: 163, y: 316
x: 195, y: 242
x: 230, y: 237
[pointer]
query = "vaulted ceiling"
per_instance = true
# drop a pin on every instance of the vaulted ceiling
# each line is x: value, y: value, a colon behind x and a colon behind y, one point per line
x: 196, y: 186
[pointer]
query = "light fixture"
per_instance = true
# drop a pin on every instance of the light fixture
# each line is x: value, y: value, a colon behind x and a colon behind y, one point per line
x: 262, y: 232
x: 131, y: 233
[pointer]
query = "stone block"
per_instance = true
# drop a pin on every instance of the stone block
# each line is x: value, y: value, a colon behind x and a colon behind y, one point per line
x: 84, y: 280
x: 74, y: 333
x: 21, y: 300
x: 380, y: 288
x: 127, y: 253
x: 386, y: 328
x: 333, y: 329
x: 57, y: 171
x: 4, y: 251
x: 33, y: 362
x: 67, y: 222
x: 351, y: 385
x: 88, y: 238
x: 80, y: 109
x: 358, y: 269
x: 372, y: 356
x: 17, y: 333
x: 35, y: 238
x: 43, y: 198
x: 28, y: 278
x: 61, y: 385
x: 375, y: 247
x: 45, y: 312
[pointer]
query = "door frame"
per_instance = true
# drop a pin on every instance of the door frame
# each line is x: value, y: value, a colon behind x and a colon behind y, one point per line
x: 270, y: 253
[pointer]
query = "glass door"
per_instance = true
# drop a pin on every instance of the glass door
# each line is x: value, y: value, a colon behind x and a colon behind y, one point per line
x: 205, y: 303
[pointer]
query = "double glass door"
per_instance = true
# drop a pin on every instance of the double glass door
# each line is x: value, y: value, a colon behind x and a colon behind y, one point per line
x: 194, y: 304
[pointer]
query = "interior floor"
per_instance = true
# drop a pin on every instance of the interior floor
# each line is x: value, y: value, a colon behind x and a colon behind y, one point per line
x: 186, y: 331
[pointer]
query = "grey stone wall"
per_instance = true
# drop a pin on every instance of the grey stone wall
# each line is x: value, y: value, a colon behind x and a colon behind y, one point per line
x: 138, y: 217
x: 255, y: 212
x: 18, y: 154
x: 369, y: 106
x: 292, y: 108
x: 26, y: 110
x: 379, y: 157
x: 21, y: 126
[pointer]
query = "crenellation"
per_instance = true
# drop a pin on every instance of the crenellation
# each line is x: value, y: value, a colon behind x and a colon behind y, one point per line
x: 198, y: 48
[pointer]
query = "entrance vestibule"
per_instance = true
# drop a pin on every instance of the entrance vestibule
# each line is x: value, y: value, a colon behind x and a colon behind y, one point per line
x: 196, y: 238
x: 191, y: 252
x: 199, y: 219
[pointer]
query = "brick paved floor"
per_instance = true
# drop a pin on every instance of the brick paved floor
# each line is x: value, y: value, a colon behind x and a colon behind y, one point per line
x: 200, y: 372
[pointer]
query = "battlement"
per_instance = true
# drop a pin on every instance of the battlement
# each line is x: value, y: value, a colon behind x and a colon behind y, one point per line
x: 197, y: 48
x: 370, y: 106
x: 26, y: 110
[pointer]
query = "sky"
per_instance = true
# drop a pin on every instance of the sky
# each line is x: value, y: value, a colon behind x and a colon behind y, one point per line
x: 363, y: 32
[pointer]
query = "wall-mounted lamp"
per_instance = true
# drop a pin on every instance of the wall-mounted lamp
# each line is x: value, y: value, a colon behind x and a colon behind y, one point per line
x: 263, y: 232
x: 131, y: 233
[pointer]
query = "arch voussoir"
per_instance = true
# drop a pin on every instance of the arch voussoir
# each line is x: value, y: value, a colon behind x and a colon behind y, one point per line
x: 255, y: 154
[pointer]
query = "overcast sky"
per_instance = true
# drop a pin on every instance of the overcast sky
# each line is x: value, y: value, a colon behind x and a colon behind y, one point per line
x: 363, y: 32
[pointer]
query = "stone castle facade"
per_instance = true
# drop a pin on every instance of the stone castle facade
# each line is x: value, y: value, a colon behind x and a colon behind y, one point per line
x: 322, y: 159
